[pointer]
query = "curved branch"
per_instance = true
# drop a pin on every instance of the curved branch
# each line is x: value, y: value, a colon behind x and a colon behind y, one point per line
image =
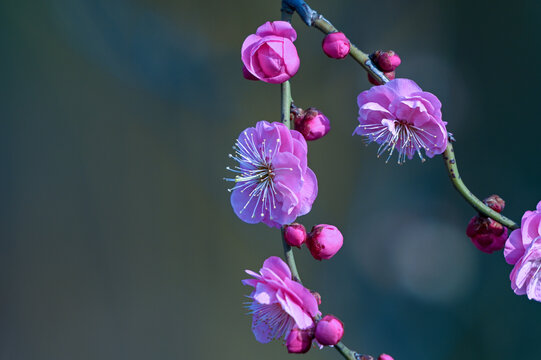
x: 454, y: 175
x: 319, y: 22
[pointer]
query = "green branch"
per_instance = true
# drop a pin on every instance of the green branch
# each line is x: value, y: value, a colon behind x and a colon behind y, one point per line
x: 454, y: 175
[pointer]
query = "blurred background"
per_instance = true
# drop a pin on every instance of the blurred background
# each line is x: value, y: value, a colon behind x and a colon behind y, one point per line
x: 118, y: 239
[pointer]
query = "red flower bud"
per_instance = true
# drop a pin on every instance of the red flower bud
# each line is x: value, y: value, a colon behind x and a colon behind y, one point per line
x: 486, y: 234
x: 388, y: 61
x: 389, y: 75
x: 313, y: 125
x: 495, y: 202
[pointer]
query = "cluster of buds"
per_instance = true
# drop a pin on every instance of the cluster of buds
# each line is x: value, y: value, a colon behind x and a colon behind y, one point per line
x: 386, y: 61
x: 311, y: 123
x: 328, y: 331
x: 486, y: 234
x: 324, y: 241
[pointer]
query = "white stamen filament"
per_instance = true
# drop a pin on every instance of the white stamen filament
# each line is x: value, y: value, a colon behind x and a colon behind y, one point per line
x: 407, y: 139
x: 255, y: 173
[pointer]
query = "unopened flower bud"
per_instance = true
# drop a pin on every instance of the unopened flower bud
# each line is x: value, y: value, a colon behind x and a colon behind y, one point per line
x: 388, y: 60
x: 324, y: 241
x: 248, y: 75
x: 329, y: 330
x: 336, y: 45
x: 296, y: 115
x: 314, y: 125
x: 389, y: 75
x: 385, y: 357
x: 486, y: 234
x: 295, y: 234
x: 299, y: 341
x: 495, y: 202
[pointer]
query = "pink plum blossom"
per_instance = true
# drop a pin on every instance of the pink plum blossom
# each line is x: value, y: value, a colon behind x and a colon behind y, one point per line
x: 401, y: 117
x: 278, y: 303
x: 269, y: 54
x: 523, y: 249
x: 273, y: 184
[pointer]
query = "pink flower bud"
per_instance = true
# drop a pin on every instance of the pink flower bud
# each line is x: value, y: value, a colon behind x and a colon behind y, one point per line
x: 313, y: 125
x: 486, y: 234
x: 385, y: 357
x: 269, y: 54
x: 329, y: 330
x: 299, y: 341
x: 295, y: 234
x: 495, y: 202
x: 324, y: 241
x: 389, y: 75
x: 388, y: 61
x: 336, y: 45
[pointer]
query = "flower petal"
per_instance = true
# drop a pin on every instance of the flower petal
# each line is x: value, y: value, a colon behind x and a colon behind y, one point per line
x: 280, y: 28
x: 278, y: 266
x: 302, y: 319
x: 308, y: 193
x: 404, y: 87
x: 514, y: 249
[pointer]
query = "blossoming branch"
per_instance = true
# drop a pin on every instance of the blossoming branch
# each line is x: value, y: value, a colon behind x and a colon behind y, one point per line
x: 273, y: 185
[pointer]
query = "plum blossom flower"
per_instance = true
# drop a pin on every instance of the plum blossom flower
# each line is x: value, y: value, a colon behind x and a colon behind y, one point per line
x: 403, y: 118
x: 278, y: 303
x: 273, y: 184
x: 269, y: 54
x: 523, y: 249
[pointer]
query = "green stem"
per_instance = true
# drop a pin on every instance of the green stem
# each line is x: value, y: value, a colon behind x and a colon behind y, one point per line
x: 347, y: 353
x: 290, y: 259
x: 286, y: 104
x: 454, y: 175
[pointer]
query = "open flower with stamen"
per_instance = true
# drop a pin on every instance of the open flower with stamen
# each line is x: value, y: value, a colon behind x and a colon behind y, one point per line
x: 273, y: 184
x: 402, y: 118
x: 523, y: 249
x: 278, y: 303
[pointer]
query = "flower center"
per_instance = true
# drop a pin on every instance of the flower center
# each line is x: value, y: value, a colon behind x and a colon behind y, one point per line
x: 399, y: 135
x: 255, y: 173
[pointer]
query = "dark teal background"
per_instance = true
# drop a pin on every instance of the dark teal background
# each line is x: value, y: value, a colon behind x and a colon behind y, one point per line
x: 117, y: 237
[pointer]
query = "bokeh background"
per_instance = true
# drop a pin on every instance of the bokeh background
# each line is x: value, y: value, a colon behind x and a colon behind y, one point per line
x: 117, y: 237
